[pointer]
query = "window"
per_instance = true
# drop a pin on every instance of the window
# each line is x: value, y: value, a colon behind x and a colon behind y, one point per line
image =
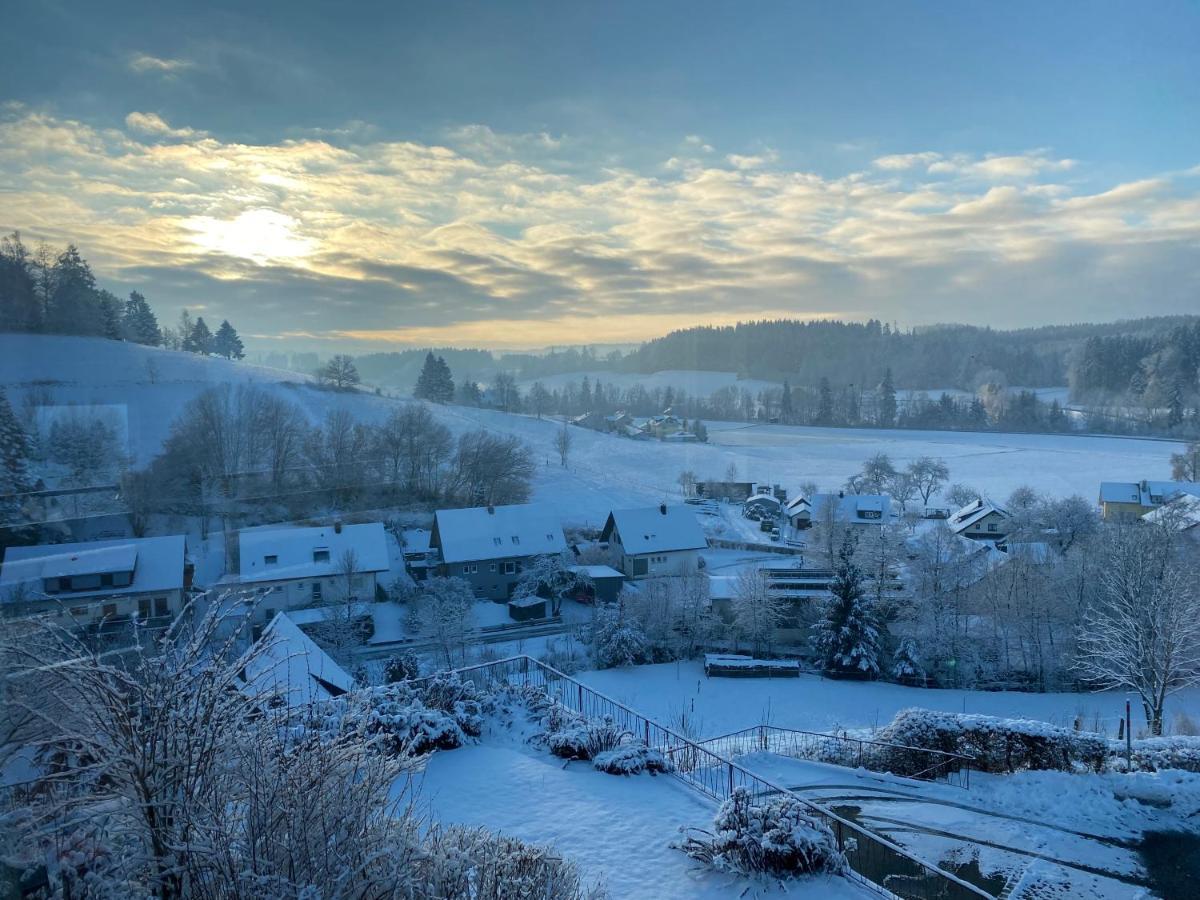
x: 491, y: 567
x: 469, y: 568
x: 122, y: 579
x: 497, y: 541
x: 85, y: 582
x: 550, y: 537
x: 516, y: 539
x: 992, y: 526
x: 143, y: 608
x: 110, y: 610
x: 316, y: 590
x: 320, y: 555
x: 510, y: 568
x: 270, y: 559
x: 52, y: 585
x: 160, y: 607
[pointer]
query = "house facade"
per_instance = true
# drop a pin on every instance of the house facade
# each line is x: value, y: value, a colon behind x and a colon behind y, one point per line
x: 291, y: 568
x: 843, y: 508
x: 656, y: 540
x: 981, y: 520
x: 1133, y: 499
x: 489, y: 546
x: 99, y: 583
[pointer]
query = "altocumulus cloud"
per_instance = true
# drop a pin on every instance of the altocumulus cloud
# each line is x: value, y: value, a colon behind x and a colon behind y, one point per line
x: 487, y: 240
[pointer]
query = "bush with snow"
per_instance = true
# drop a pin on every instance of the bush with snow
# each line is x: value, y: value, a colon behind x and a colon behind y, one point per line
x: 459, y: 699
x: 997, y: 744
x: 584, y: 739
x: 632, y: 758
x: 1157, y: 753
x: 765, y: 835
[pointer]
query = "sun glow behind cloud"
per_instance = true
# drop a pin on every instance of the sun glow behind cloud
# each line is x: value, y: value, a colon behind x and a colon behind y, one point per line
x: 362, y: 240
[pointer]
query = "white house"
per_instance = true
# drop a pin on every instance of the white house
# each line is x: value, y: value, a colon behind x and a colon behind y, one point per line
x: 843, y: 508
x: 981, y: 520
x: 488, y: 545
x: 655, y: 540
x: 294, y: 567
x: 286, y: 667
x: 99, y: 582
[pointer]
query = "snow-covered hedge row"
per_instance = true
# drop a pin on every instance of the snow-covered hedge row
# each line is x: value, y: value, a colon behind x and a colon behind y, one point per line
x: 998, y: 745
x: 609, y: 747
x: 773, y: 835
x: 1154, y: 754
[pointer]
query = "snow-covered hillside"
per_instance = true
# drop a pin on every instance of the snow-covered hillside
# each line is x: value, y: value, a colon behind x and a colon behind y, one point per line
x: 603, y: 470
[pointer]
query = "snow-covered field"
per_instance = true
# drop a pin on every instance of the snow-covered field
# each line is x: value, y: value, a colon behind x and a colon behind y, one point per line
x: 811, y: 703
x: 603, y: 470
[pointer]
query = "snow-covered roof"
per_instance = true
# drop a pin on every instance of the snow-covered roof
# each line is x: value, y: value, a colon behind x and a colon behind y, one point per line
x: 1181, y: 513
x: 854, y: 507
x: 280, y: 554
x: 656, y: 529
x: 156, y: 562
x: 494, y: 532
x: 761, y: 500
x: 974, y: 512
x: 799, y: 503
x: 1145, y: 493
x: 596, y: 571
x: 287, y: 664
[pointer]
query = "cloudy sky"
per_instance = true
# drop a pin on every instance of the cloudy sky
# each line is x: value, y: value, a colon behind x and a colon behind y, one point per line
x: 349, y: 176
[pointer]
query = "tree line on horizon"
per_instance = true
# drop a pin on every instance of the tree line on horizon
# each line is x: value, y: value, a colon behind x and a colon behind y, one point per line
x: 48, y: 292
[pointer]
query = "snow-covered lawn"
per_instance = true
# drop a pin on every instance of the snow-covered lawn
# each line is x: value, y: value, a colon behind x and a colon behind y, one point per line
x: 603, y: 470
x: 617, y: 829
x: 812, y: 703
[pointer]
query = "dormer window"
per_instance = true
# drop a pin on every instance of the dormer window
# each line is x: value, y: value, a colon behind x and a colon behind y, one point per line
x: 497, y: 541
x: 270, y: 559
x: 516, y: 539
x: 320, y: 555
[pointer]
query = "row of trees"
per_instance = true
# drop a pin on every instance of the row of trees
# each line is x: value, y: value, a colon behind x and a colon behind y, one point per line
x: 237, y: 445
x: 52, y: 292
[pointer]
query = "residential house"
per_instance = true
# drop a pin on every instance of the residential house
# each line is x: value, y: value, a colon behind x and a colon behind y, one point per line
x: 605, y: 584
x: 1136, y: 498
x: 286, y: 668
x: 293, y: 567
x: 1181, y: 514
x: 981, y: 520
x: 655, y: 540
x: 843, y: 508
x: 99, y: 583
x: 487, y: 545
x: 732, y: 491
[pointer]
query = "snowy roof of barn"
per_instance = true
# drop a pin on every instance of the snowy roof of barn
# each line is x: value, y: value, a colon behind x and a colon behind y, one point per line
x: 297, y: 551
x: 596, y: 571
x: 656, y: 529
x: 974, y: 512
x: 494, y: 532
x: 287, y: 664
x: 156, y: 562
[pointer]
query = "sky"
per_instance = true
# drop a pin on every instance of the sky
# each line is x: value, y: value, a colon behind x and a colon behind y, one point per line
x: 373, y: 175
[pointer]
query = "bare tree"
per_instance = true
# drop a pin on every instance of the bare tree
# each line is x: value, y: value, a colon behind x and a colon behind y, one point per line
x: 1143, y: 631
x: 928, y: 474
x: 442, y: 615
x: 562, y: 443
x: 491, y: 469
x: 757, y: 612
x: 1185, y: 466
x: 340, y: 372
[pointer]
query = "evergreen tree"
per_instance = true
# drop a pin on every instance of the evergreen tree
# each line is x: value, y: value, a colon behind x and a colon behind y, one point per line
x: 847, y: 636
x: 109, y: 309
x: 469, y: 393
x: 906, y: 663
x: 887, y: 401
x: 14, y: 462
x: 199, y: 339
x: 786, y: 411
x: 73, y: 306
x: 20, y: 309
x: 138, y: 323
x: 824, y: 403
x: 227, y: 343
x: 435, y: 382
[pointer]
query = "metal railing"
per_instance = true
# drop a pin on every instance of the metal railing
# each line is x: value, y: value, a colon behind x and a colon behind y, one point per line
x: 874, y: 860
x: 843, y: 750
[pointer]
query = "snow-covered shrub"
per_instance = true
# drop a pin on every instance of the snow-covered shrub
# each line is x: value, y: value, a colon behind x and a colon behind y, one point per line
x: 997, y: 745
x: 584, y: 739
x: 1156, y: 753
x: 770, y: 835
x: 393, y: 717
x: 631, y: 759
x: 906, y: 663
x: 617, y: 639
x: 457, y: 698
x: 472, y: 862
x: 404, y: 667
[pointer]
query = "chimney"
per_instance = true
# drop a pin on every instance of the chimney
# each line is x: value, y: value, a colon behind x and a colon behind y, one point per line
x: 491, y: 510
x: 841, y: 494
x: 662, y: 508
x: 337, y: 526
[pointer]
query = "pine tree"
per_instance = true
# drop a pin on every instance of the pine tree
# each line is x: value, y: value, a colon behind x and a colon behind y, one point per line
x: 199, y: 339
x: 14, y: 461
x: 847, y: 636
x: 887, y: 401
x: 824, y: 403
x: 435, y: 382
x: 786, y: 411
x: 138, y: 323
x: 227, y: 343
x: 906, y: 663
x: 72, y: 306
x: 109, y: 309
